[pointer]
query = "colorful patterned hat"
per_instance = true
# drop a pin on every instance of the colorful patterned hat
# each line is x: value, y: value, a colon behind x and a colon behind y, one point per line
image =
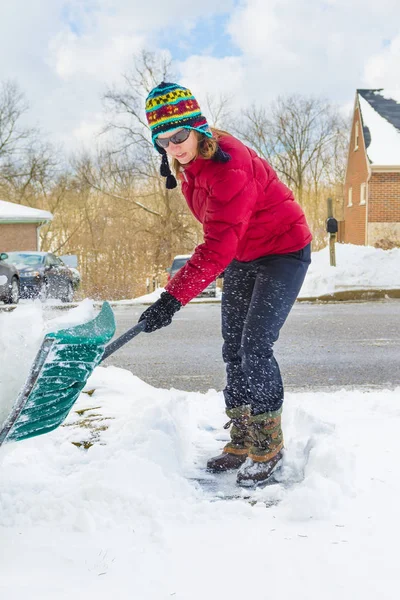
x: 172, y: 106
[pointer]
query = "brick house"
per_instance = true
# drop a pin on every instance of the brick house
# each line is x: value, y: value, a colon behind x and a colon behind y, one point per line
x: 19, y: 226
x: 372, y: 183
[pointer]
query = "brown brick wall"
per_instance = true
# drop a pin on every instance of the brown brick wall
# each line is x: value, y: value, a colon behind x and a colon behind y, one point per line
x: 18, y: 236
x: 357, y: 173
x: 384, y: 198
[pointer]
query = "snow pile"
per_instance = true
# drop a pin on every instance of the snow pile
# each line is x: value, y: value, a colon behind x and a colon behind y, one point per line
x: 127, y: 514
x: 22, y: 332
x: 82, y: 313
x: 357, y: 268
x: 20, y: 339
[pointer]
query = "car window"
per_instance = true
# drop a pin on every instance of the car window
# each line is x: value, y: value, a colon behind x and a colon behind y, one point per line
x: 24, y: 258
x: 51, y: 260
x: 178, y: 263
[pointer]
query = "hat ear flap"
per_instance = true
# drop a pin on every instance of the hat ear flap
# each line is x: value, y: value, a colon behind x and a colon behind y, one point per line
x: 165, y: 171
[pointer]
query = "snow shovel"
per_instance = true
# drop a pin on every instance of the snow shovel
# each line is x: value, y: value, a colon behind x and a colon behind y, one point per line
x: 60, y: 370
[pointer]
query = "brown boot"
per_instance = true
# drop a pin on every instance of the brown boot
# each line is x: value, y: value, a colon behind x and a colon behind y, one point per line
x: 235, y: 452
x: 266, y: 450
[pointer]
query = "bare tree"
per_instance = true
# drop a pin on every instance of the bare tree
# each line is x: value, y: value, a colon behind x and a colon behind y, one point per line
x: 304, y: 138
x: 129, y: 170
x: 112, y: 209
x: 219, y: 111
x: 26, y: 160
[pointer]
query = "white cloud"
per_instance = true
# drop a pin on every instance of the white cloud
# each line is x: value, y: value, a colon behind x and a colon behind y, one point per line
x: 319, y: 48
x: 206, y: 75
x: 383, y: 69
x: 65, y: 53
x: 82, y: 56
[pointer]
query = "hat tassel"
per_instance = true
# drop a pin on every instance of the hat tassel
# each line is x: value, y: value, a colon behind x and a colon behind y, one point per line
x: 165, y: 171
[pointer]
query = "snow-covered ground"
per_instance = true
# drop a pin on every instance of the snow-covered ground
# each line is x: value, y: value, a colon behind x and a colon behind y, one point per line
x: 357, y: 268
x: 127, y: 519
x: 109, y: 504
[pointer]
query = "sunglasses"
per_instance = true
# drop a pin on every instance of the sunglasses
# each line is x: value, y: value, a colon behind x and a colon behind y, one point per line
x: 178, y: 138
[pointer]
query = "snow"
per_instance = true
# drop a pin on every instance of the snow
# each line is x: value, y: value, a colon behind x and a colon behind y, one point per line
x: 9, y: 211
x: 78, y: 315
x: 385, y: 138
x: 126, y: 517
x: 22, y: 332
x: 357, y: 268
x: 153, y: 296
x: 391, y: 94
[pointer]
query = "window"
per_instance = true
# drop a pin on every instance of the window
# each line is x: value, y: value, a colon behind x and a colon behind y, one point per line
x: 356, y: 133
x: 51, y: 260
x: 26, y: 259
x: 363, y: 193
x: 350, y: 197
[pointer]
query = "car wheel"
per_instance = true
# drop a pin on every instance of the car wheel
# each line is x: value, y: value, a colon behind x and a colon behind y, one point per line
x: 68, y: 296
x: 13, y: 294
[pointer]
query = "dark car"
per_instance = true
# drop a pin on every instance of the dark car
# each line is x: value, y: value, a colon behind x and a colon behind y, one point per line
x: 178, y: 262
x: 9, y: 281
x: 43, y: 275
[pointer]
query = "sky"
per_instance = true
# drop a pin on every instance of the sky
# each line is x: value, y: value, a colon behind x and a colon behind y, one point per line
x: 64, y: 54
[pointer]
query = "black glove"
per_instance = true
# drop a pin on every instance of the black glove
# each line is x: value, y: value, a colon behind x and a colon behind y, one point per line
x: 161, y: 312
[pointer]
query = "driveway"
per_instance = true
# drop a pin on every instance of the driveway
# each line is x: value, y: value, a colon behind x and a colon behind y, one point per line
x: 322, y: 346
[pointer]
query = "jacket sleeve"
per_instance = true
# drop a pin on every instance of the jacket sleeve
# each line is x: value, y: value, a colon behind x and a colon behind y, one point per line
x: 229, y: 206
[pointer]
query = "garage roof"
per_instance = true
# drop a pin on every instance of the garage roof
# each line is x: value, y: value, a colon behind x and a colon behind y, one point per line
x: 18, y: 213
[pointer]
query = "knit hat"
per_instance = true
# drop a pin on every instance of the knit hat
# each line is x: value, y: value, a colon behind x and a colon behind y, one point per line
x: 172, y: 106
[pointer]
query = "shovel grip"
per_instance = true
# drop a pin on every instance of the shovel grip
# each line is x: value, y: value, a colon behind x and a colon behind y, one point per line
x: 123, y: 339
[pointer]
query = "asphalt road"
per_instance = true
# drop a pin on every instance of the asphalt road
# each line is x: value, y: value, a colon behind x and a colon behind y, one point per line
x: 343, y: 345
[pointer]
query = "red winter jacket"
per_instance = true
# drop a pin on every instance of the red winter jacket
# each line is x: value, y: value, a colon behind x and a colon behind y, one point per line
x: 246, y: 213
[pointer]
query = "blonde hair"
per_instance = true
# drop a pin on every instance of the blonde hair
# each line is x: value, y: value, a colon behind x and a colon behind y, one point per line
x: 206, y: 146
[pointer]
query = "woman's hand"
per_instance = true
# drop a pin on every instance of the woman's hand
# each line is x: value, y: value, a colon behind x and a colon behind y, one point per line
x: 161, y: 312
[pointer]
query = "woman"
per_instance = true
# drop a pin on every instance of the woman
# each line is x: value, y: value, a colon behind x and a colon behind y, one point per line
x: 255, y: 232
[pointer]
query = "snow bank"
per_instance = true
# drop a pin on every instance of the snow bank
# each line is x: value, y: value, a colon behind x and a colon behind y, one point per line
x: 127, y: 516
x: 358, y: 268
x: 21, y: 335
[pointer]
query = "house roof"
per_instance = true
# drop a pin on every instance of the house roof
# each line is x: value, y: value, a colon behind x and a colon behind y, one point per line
x: 18, y: 213
x: 380, y: 114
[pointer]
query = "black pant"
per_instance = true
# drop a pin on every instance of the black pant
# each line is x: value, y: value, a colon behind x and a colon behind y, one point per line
x: 256, y: 301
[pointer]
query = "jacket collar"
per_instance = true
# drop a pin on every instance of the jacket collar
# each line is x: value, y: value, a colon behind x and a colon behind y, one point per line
x: 194, y: 167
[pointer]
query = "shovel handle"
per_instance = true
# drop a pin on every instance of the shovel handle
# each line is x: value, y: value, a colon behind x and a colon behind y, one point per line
x: 123, y: 339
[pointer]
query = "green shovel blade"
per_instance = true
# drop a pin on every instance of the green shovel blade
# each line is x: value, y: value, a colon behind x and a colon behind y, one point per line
x: 61, y: 368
